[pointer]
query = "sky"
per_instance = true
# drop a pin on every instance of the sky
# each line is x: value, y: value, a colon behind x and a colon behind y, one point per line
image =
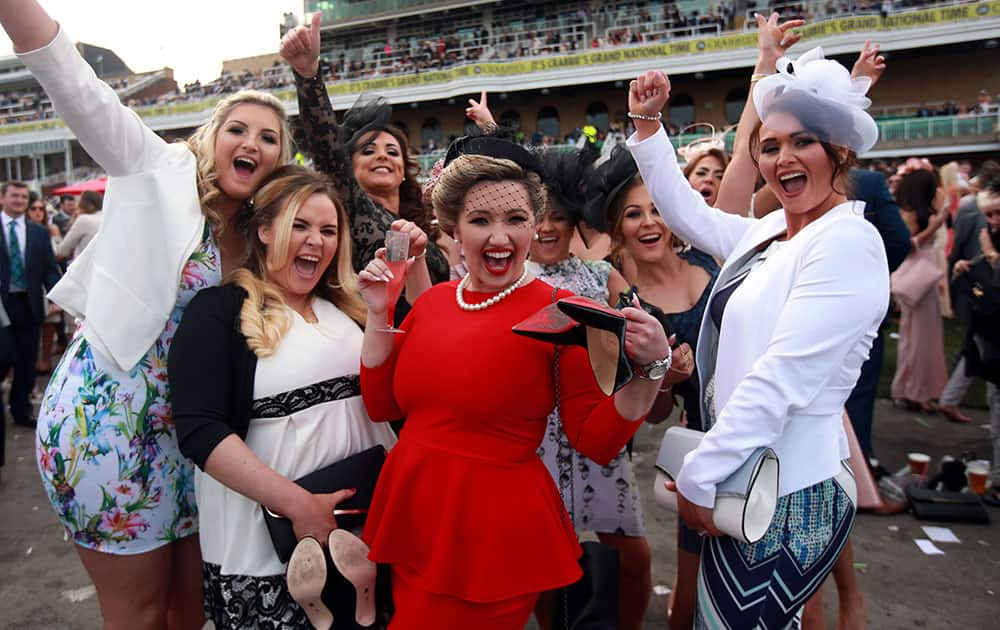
x: 191, y: 36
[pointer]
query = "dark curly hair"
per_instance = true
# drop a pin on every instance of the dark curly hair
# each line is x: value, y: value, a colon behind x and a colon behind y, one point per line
x: 820, y: 121
x: 411, y: 202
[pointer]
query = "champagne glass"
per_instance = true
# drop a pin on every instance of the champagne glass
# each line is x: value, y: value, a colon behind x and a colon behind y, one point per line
x: 397, y: 250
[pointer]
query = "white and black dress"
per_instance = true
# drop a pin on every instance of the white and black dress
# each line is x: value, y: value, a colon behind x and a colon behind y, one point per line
x: 306, y: 413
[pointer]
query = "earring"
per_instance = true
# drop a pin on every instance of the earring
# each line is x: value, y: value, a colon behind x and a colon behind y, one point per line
x: 536, y: 236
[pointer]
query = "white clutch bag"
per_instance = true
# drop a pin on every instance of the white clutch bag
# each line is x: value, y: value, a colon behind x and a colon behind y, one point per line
x: 744, y: 503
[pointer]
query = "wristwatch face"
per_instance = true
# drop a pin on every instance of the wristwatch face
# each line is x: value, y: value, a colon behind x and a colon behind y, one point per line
x: 655, y: 370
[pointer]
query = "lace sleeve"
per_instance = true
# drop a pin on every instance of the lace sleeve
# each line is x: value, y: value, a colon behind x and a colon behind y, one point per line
x: 316, y: 130
x: 369, y: 224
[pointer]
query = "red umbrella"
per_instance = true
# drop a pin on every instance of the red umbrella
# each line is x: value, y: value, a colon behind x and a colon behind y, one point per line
x: 97, y: 185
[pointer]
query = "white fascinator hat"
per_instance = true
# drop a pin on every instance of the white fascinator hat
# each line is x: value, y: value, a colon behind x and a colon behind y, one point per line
x: 818, y: 95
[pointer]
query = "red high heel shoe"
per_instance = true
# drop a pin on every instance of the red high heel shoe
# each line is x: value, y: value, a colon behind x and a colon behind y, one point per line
x: 580, y: 321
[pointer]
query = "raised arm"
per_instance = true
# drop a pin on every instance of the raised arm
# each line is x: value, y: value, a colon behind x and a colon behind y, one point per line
x: 317, y: 121
x: 738, y: 183
x: 111, y: 133
x: 928, y: 234
x: 70, y: 241
x: 682, y: 207
x: 479, y: 113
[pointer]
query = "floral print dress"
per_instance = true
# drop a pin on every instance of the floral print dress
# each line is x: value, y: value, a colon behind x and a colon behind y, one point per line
x: 106, y: 445
x: 598, y: 498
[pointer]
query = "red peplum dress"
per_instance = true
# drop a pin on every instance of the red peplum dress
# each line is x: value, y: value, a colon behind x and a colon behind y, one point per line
x: 464, y: 507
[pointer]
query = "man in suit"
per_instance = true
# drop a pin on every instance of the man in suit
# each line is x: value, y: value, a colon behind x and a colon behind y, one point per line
x: 65, y: 212
x: 27, y: 269
x: 882, y: 212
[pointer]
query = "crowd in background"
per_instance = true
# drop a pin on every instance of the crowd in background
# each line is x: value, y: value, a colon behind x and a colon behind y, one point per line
x: 299, y: 310
x: 571, y: 30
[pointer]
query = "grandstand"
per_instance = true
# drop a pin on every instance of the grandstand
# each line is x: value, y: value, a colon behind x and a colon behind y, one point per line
x: 552, y: 67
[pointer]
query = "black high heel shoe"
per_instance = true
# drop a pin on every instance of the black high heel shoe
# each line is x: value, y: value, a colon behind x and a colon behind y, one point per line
x: 579, y: 321
x: 307, y: 574
x: 350, y: 560
x: 605, y: 331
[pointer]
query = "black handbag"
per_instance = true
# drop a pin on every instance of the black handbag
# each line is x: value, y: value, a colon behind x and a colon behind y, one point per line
x: 942, y: 505
x: 358, y: 471
x: 592, y: 602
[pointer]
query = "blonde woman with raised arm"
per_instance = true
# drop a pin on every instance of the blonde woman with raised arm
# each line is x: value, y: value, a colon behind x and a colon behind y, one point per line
x: 106, y: 445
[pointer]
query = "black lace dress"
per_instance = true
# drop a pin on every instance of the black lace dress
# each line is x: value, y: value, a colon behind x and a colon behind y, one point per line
x: 316, y: 135
x: 686, y: 325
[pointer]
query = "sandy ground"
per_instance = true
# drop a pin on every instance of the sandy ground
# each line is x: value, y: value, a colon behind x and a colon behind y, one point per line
x: 44, y: 585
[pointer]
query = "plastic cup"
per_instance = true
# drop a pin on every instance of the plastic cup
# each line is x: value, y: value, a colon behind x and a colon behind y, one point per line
x: 977, y: 471
x: 919, y: 463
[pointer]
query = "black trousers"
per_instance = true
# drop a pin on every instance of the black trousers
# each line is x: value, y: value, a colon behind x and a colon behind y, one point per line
x: 860, y: 404
x: 25, y: 331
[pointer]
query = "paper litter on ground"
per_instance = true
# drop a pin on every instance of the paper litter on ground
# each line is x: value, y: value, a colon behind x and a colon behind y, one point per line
x: 661, y: 589
x: 940, y: 534
x: 80, y: 594
x: 928, y: 547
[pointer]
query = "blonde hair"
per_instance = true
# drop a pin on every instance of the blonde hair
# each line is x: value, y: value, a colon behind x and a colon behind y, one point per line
x: 202, y: 144
x: 468, y: 170
x: 263, y: 318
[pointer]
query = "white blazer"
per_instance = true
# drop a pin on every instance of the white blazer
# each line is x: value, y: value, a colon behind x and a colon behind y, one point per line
x: 793, y: 335
x: 124, y: 284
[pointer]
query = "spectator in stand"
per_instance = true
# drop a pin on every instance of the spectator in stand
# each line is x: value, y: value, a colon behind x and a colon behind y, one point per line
x: 984, y: 104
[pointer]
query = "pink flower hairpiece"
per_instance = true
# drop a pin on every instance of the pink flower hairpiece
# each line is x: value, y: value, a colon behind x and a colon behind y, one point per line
x: 694, y: 149
x: 427, y: 191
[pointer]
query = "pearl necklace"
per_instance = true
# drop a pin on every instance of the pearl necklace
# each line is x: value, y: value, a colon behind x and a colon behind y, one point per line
x: 465, y: 306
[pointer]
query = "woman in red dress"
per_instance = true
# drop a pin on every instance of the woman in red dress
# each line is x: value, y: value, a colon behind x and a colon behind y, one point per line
x: 465, y: 512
